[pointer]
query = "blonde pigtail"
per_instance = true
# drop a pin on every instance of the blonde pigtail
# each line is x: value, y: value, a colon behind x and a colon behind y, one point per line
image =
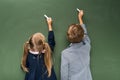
x: 47, y: 58
x: 24, y: 57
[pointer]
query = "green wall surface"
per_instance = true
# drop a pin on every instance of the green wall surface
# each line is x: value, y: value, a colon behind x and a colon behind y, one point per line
x: 21, y: 18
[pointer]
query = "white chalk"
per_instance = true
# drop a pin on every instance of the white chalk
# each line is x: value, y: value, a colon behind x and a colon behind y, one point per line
x: 78, y: 10
x: 46, y: 16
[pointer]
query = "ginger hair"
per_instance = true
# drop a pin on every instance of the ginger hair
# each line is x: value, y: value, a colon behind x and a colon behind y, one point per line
x: 75, y: 33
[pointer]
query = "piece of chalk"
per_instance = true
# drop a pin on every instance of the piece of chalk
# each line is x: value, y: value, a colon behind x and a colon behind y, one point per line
x: 46, y: 16
x: 78, y: 10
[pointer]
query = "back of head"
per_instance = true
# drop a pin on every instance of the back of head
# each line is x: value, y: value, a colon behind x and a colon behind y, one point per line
x: 38, y: 41
x: 75, y: 33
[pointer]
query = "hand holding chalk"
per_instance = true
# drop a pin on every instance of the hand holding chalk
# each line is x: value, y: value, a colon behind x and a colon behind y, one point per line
x: 80, y: 15
x: 49, y: 20
x: 80, y: 12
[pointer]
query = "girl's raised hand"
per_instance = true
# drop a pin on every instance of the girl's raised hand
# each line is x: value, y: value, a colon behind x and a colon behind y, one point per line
x: 49, y: 21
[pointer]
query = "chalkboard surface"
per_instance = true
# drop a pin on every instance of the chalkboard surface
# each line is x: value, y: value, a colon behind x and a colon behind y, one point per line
x: 21, y: 18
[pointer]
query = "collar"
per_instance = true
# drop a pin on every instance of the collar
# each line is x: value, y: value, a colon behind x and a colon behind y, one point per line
x: 74, y: 44
x: 33, y: 52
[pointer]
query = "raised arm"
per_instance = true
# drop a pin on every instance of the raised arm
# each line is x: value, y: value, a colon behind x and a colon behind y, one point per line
x: 51, y: 38
x: 80, y: 18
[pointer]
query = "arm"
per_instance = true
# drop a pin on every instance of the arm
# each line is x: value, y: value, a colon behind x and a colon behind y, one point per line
x: 64, y: 68
x: 80, y: 18
x: 49, y: 22
x: 51, y: 39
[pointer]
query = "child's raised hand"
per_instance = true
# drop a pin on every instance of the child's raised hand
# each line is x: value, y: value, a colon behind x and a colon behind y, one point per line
x: 49, y: 21
x: 80, y: 14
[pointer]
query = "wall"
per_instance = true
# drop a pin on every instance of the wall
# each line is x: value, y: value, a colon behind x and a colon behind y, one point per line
x: 21, y: 18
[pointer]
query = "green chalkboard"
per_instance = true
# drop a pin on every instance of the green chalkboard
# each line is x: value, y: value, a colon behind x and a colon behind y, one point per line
x: 21, y: 18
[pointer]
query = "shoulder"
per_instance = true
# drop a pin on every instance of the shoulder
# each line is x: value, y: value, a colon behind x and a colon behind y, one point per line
x: 66, y: 51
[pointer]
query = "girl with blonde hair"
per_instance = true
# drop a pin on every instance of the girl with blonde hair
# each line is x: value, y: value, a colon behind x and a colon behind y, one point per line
x: 36, y: 60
